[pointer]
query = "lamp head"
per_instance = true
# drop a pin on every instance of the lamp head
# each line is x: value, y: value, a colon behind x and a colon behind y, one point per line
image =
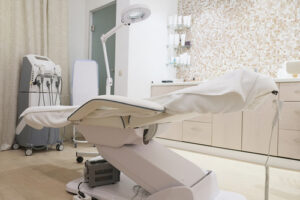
x: 135, y: 13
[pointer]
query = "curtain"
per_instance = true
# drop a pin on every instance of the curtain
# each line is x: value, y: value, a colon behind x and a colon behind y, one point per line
x: 28, y: 27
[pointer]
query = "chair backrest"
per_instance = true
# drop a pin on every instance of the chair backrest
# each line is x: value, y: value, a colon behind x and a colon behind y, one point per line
x: 85, y: 81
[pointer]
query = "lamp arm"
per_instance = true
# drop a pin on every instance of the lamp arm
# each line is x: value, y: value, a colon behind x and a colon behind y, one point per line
x: 105, y: 36
x: 109, y: 80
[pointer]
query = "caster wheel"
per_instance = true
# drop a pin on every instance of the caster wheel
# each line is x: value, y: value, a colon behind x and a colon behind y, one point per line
x: 16, y: 146
x: 79, y: 159
x: 59, y: 147
x: 28, y: 152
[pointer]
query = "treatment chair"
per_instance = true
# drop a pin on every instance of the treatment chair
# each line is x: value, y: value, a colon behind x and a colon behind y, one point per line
x: 122, y: 129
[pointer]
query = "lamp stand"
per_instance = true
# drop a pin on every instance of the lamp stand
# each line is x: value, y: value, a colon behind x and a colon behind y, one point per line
x: 104, y: 37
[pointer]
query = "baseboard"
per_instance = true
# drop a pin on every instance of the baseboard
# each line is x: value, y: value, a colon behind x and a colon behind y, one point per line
x: 277, y: 162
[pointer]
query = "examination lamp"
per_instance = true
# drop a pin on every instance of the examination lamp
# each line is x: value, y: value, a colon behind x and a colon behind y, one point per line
x: 132, y: 14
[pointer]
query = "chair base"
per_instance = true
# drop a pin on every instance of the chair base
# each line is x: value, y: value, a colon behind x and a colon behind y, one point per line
x: 123, y: 190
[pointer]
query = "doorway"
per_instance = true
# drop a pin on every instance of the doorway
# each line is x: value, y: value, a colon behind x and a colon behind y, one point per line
x: 103, y: 20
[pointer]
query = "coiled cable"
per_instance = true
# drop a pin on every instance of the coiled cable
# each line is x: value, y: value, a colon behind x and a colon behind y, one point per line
x: 139, y: 192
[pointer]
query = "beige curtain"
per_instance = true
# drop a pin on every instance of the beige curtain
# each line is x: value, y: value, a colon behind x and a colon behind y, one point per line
x: 28, y: 27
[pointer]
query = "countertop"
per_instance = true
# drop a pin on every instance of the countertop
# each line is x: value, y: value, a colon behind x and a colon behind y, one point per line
x: 277, y: 80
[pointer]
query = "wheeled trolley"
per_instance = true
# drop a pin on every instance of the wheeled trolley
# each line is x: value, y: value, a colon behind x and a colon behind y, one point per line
x: 40, y: 85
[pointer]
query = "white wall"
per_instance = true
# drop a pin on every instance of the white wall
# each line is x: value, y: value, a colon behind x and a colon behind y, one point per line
x: 76, y: 30
x: 148, y: 48
x: 77, y: 33
x: 141, y: 53
x: 121, y: 53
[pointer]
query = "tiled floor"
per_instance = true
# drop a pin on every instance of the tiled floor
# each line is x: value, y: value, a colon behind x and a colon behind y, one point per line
x: 249, y: 179
x: 44, y: 175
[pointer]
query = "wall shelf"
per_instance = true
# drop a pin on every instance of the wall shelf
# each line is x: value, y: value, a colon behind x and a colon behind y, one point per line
x: 179, y: 27
x: 179, y: 47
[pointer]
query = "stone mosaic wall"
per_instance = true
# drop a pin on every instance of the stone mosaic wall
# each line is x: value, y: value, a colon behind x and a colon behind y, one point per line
x: 230, y: 34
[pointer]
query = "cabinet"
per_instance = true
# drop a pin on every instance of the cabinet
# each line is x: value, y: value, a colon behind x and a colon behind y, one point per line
x: 196, y: 132
x: 257, y: 127
x: 207, y: 118
x: 289, y: 144
x: 289, y: 91
x: 289, y: 124
x: 290, y: 116
x: 227, y: 130
x: 173, y: 132
x: 248, y: 131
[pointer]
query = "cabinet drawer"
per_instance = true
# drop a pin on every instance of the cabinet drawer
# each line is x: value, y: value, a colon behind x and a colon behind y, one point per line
x: 227, y: 130
x: 196, y: 132
x: 160, y: 90
x: 289, y: 144
x: 290, y: 116
x: 257, y: 126
x: 289, y: 91
x: 172, y: 132
x: 207, y: 118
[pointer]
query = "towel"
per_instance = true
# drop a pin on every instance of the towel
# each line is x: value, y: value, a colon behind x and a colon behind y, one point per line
x: 235, y: 91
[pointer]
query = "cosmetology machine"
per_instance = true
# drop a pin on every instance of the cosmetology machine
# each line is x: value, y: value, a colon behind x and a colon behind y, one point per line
x: 40, y: 85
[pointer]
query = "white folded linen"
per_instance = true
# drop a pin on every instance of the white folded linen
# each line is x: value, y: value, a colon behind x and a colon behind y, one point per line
x: 238, y: 90
x: 47, y: 116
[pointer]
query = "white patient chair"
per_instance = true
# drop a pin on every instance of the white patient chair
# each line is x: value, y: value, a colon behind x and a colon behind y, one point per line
x: 84, y: 87
x: 122, y: 129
